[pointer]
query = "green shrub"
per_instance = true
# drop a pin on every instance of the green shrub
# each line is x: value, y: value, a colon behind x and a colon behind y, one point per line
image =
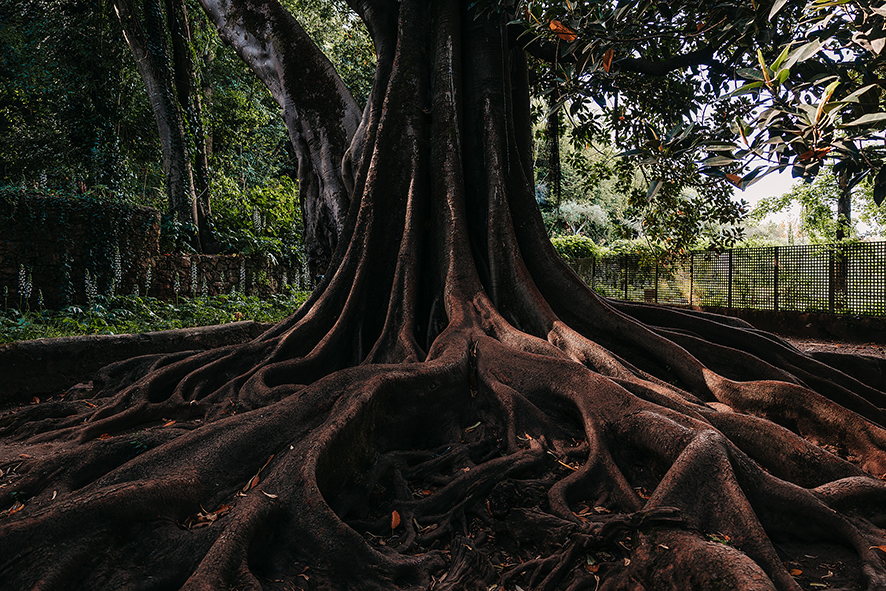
x: 131, y: 314
x: 577, y: 247
x: 259, y: 220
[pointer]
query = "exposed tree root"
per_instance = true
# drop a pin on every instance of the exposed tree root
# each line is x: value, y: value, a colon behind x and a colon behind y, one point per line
x: 453, y: 408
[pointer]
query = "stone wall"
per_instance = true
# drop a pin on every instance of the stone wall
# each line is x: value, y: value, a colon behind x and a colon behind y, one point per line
x: 62, y: 248
x: 178, y: 274
x: 66, y: 251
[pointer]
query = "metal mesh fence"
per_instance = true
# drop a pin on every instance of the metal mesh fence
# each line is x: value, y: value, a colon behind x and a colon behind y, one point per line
x: 841, y: 279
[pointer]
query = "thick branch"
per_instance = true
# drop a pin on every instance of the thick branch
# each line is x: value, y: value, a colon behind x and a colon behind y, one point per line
x: 320, y: 113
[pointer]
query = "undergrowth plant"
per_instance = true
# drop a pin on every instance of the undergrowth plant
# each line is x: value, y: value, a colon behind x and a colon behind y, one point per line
x: 123, y: 314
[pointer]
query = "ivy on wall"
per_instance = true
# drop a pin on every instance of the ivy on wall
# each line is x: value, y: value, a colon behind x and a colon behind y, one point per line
x: 68, y: 246
x: 57, y: 251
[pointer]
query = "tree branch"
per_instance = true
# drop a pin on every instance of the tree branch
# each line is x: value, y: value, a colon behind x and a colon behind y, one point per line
x: 320, y: 113
x: 546, y: 51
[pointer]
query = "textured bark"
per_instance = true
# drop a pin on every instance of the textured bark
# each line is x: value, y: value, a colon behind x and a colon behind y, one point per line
x: 148, y: 46
x: 453, y: 408
x: 321, y: 115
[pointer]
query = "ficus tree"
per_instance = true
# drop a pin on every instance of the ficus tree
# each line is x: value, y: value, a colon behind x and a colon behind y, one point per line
x: 160, y: 39
x: 452, y: 408
x: 742, y: 89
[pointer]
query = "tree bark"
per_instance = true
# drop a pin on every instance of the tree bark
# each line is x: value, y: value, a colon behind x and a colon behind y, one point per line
x: 321, y: 115
x: 453, y: 408
x: 148, y: 46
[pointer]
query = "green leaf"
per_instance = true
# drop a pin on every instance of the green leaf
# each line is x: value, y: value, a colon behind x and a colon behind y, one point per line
x: 782, y: 75
x: 750, y: 74
x: 749, y: 87
x: 653, y: 189
x: 776, y: 7
x: 673, y: 132
x: 869, y: 119
x: 802, y: 53
x: 718, y: 161
x: 855, y: 96
x: 782, y: 56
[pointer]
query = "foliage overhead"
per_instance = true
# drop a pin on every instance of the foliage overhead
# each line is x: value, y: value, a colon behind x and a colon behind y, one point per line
x: 739, y: 89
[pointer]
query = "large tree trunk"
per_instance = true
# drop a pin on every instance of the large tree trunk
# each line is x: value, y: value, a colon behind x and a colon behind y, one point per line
x: 453, y: 408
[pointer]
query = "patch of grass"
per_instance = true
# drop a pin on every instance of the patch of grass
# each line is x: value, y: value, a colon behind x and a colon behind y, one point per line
x: 131, y: 314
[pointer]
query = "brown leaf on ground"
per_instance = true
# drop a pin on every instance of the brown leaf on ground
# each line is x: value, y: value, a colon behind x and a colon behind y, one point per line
x: 16, y: 507
x: 205, y: 518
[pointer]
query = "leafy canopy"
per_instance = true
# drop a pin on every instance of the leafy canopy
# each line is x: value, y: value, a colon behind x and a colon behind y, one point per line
x: 734, y: 90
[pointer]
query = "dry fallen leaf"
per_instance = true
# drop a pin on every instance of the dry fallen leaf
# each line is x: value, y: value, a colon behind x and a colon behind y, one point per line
x: 253, y: 482
x: 205, y: 518
x: 16, y: 507
x: 795, y: 572
x: 395, y: 520
x: 54, y: 494
x: 172, y: 422
x: 269, y: 495
x: 35, y: 400
x: 881, y: 547
x: 104, y: 436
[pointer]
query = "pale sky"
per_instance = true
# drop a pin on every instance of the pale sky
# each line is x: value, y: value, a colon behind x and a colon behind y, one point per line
x: 774, y: 184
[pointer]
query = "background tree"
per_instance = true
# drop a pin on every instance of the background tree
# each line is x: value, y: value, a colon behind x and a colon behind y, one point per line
x: 171, y: 81
x: 659, y: 110
x: 71, y: 113
x: 452, y: 400
x: 819, y: 202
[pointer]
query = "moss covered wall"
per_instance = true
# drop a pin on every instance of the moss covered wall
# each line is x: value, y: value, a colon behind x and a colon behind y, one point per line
x: 71, y: 249
x: 49, y: 244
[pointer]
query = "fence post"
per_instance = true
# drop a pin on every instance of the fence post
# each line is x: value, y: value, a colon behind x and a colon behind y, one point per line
x: 624, y: 259
x: 775, y: 280
x: 593, y: 271
x: 729, y: 284
x: 691, y: 275
x: 656, y: 282
x: 831, y: 280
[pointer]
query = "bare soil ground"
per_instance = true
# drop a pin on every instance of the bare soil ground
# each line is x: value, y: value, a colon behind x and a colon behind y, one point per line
x: 824, y: 345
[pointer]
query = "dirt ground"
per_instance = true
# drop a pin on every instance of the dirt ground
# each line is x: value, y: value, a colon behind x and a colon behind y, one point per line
x: 818, y: 345
x: 830, y: 567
